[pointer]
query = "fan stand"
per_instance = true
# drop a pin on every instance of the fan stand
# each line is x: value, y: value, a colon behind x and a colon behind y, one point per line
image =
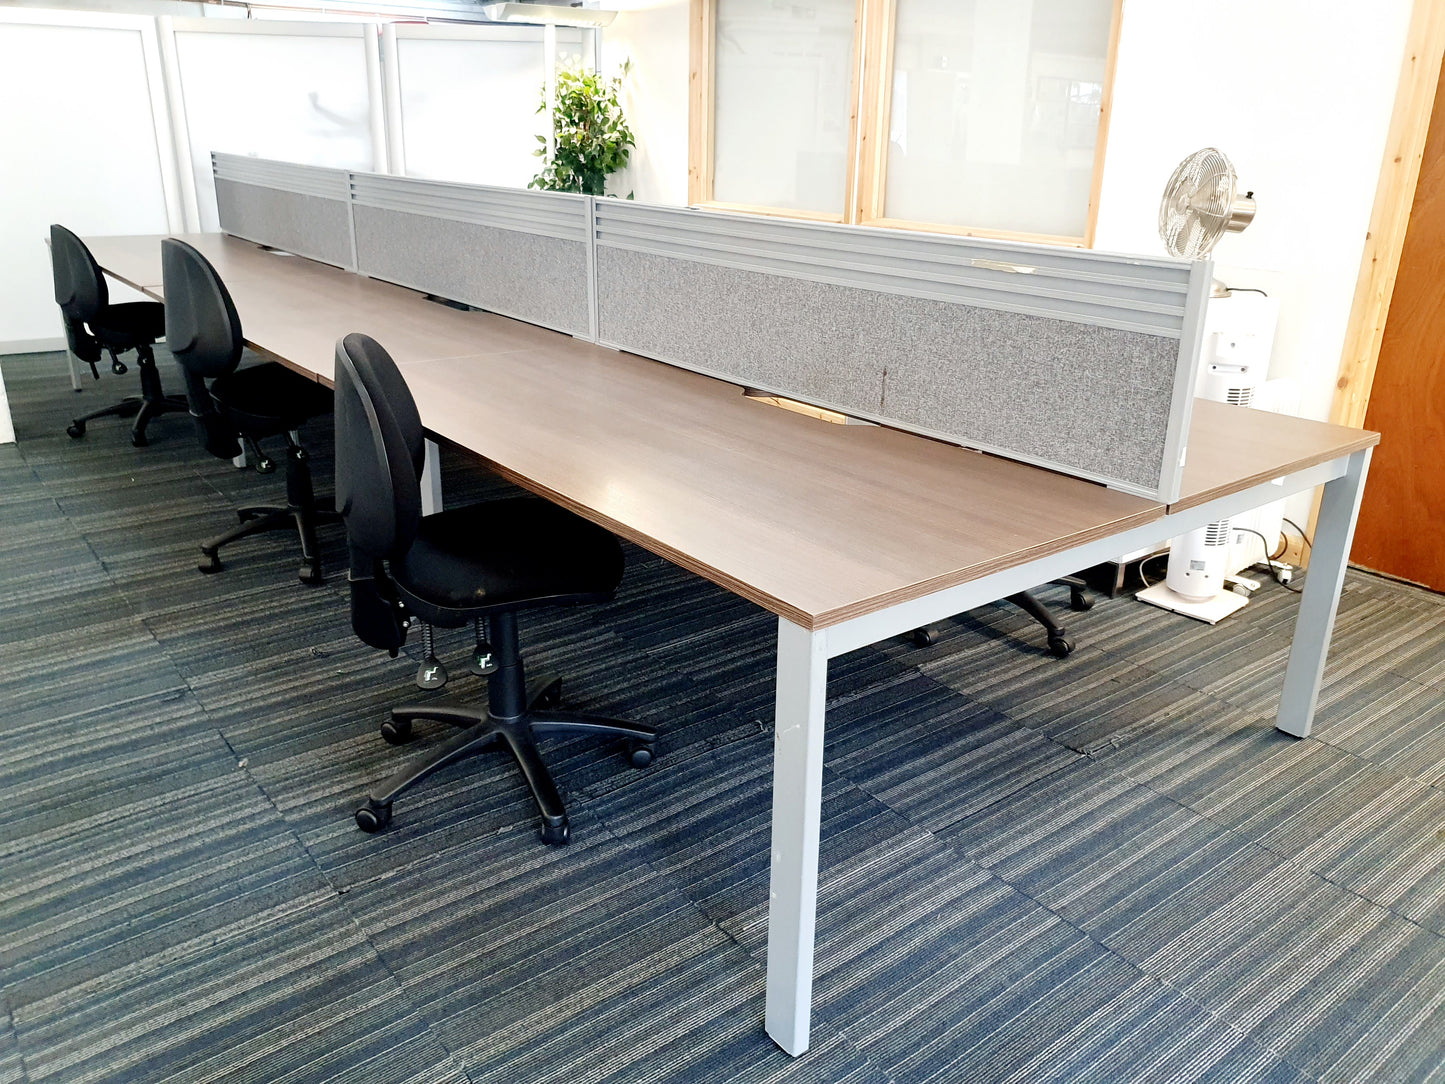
x: 1212, y: 611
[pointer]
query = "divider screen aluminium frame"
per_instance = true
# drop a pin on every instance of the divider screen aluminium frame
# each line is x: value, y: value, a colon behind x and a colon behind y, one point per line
x: 301, y: 209
x: 513, y: 251
x: 1074, y: 360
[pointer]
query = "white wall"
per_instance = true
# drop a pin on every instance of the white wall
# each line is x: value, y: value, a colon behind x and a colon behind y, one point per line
x: 103, y: 176
x: 654, y: 35
x: 470, y: 97
x: 1300, y: 99
x: 305, y: 97
x: 1298, y: 93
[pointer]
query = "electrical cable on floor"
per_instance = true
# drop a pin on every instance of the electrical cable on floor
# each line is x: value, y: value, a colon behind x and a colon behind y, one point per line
x: 1270, y: 560
x: 1308, y: 540
x: 1143, y: 577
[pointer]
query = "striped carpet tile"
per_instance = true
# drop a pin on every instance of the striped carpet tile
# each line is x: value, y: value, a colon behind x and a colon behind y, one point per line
x: 88, y: 667
x: 1293, y: 960
x: 1106, y: 868
x: 12, y: 1067
x: 932, y: 755
x: 583, y: 964
x: 898, y: 929
x: 1400, y: 726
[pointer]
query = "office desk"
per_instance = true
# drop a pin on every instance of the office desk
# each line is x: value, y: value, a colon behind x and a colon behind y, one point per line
x: 849, y: 534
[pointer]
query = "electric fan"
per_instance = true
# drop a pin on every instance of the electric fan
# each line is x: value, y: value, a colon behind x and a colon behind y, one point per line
x: 1200, y: 205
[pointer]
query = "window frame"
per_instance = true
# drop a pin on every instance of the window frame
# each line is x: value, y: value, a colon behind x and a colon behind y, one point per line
x: 870, y: 115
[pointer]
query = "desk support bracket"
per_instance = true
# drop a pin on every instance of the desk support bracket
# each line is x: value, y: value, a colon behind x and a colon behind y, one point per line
x: 797, y: 805
x: 1330, y: 557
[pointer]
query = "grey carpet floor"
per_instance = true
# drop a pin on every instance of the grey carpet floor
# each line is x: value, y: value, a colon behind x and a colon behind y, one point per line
x: 1107, y: 868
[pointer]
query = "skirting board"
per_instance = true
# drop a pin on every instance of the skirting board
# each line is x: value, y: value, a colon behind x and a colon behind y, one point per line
x: 33, y: 346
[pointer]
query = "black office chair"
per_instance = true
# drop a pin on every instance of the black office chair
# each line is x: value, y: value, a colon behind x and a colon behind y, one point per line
x: 1059, y: 643
x: 250, y: 404
x: 482, y: 561
x: 93, y: 324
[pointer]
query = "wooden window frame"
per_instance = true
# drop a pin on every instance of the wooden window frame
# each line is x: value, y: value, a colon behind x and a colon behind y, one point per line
x: 869, y: 117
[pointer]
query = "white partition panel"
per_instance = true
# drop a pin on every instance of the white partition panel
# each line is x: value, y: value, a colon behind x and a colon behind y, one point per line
x: 470, y: 97
x: 111, y: 175
x: 784, y: 92
x: 293, y: 91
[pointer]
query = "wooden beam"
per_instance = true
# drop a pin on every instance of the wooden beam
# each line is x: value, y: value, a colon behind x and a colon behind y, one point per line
x: 871, y: 132
x: 1106, y: 107
x: 777, y: 212
x: 1389, y: 220
x: 1394, y: 196
x: 702, y: 19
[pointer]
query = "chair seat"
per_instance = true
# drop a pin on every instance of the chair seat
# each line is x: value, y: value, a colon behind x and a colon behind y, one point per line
x: 266, y: 399
x: 123, y: 327
x: 502, y: 554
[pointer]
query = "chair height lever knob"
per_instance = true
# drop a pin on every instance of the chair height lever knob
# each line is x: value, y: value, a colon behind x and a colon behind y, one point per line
x: 484, y: 659
x: 431, y: 674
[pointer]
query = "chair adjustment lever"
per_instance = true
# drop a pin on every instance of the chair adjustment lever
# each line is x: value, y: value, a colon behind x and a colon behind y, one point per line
x: 431, y: 674
x: 484, y: 659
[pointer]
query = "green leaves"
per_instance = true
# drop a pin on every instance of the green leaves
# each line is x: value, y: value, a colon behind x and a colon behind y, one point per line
x: 592, y: 136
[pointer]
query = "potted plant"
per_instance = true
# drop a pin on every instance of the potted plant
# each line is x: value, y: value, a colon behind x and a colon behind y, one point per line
x: 591, y: 135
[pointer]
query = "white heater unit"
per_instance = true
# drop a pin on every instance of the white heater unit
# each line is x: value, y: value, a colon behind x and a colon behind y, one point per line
x: 1280, y: 396
x: 1234, y: 358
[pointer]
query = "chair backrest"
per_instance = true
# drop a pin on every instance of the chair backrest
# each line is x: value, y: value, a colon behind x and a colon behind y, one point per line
x: 380, y: 448
x: 80, y: 288
x: 204, y: 333
x: 202, y: 328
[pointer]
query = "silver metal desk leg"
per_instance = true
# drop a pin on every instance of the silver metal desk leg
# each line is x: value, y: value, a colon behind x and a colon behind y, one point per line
x: 431, y: 480
x: 797, y: 805
x: 1334, y: 532
x: 74, y: 369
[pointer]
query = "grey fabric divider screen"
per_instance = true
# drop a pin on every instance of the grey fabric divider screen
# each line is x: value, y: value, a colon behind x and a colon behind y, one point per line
x: 1075, y: 360
x: 512, y: 251
x: 300, y: 209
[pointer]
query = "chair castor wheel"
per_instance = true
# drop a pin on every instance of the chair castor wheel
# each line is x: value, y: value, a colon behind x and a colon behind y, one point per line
x: 923, y: 637
x: 640, y: 754
x: 1060, y: 646
x: 373, y: 817
x: 209, y: 562
x: 396, y: 731
x: 75, y: 430
x: 311, y: 574
x: 550, y: 696
x: 554, y: 834
x: 1080, y: 602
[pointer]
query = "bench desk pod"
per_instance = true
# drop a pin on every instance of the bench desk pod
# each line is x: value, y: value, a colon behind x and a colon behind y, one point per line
x: 765, y: 503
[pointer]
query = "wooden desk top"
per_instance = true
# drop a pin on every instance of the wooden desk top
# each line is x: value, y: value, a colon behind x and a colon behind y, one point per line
x: 1232, y: 449
x: 814, y: 521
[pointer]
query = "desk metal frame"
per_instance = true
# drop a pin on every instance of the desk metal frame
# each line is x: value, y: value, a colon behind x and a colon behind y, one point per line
x: 802, y: 680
